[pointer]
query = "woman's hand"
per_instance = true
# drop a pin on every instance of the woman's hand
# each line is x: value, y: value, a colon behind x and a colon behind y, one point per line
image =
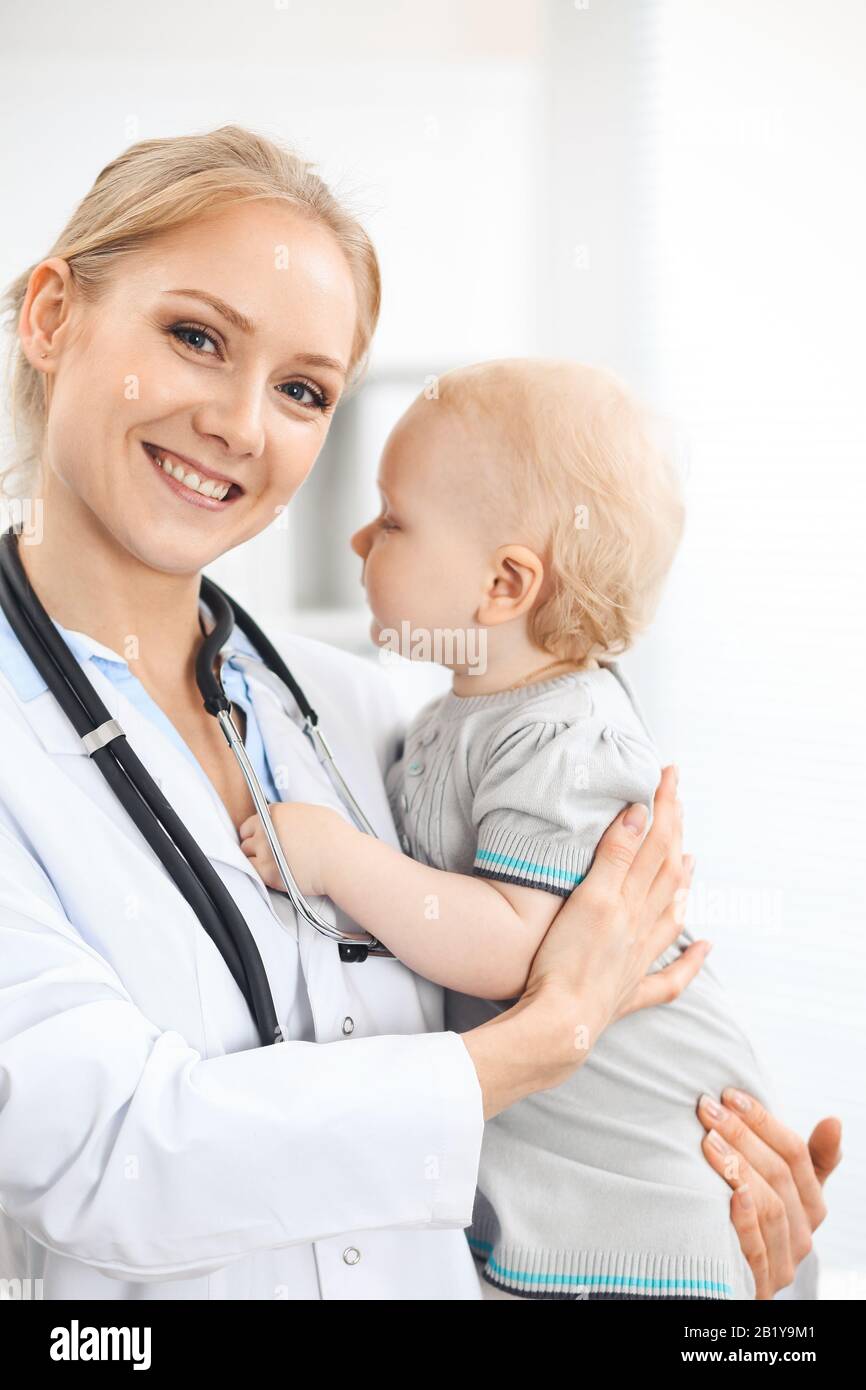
x: 591, y: 966
x: 625, y: 913
x: 777, y: 1180
x: 306, y: 834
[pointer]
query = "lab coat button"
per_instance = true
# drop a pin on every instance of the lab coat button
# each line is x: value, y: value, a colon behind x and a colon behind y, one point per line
x: 429, y: 735
x: 351, y: 1255
x: 348, y: 1025
x: 414, y: 769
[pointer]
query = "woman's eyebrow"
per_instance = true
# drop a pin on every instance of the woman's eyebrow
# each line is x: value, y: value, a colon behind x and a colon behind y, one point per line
x: 315, y: 359
x: 245, y: 325
x: 233, y: 316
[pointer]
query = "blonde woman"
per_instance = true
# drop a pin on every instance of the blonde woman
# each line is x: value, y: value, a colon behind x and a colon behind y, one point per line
x: 182, y: 350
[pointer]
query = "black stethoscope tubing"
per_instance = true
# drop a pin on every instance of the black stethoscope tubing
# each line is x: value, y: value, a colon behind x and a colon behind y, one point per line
x: 129, y: 779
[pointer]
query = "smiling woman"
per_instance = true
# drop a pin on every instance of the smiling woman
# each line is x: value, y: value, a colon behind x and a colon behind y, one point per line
x: 181, y: 350
x: 161, y: 185
x: 226, y: 418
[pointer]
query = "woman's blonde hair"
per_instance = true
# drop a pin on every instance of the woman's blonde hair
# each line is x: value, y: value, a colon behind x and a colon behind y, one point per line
x: 579, y: 471
x: 156, y: 185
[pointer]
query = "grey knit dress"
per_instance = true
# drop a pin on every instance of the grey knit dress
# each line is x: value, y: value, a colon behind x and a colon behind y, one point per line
x: 597, y: 1188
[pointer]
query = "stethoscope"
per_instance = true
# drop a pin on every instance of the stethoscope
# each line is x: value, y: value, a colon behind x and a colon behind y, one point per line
x: 105, y: 742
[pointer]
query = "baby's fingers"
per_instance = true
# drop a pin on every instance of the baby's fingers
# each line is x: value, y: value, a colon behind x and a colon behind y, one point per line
x: 249, y: 826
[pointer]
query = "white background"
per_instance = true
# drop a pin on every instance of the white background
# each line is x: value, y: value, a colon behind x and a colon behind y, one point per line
x: 669, y: 188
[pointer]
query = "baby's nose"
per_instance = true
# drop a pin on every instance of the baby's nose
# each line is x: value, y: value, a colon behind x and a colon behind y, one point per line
x: 360, y: 543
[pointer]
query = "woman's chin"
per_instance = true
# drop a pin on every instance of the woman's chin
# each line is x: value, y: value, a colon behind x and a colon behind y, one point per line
x: 170, y: 547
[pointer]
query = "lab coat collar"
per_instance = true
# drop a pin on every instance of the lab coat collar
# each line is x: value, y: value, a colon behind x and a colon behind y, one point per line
x: 26, y: 680
x: 187, y: 788
x: 23, y: 675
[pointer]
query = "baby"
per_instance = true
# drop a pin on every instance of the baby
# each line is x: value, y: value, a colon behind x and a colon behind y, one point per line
x: 529, y: 517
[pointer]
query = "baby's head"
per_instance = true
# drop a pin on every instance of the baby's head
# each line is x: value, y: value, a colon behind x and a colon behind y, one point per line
x: 531, y: 498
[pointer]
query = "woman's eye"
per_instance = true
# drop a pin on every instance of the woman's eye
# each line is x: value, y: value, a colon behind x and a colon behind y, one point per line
x: 196, y: 338
x: 298, y: 390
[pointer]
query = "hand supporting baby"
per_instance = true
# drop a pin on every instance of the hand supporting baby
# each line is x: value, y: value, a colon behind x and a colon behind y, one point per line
x: 308, y: 834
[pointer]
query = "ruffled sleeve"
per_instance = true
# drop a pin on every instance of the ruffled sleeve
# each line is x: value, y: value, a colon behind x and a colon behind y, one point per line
x: 548, y: 792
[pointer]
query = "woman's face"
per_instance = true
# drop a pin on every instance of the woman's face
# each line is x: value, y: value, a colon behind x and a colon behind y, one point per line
x: 220, y: 348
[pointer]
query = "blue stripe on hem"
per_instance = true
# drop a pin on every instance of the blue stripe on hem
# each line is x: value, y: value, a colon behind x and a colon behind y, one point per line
x: 605, y: 1280
x: 527, y: 866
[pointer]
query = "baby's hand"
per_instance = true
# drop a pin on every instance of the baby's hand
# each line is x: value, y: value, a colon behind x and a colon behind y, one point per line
x: 306, y: 834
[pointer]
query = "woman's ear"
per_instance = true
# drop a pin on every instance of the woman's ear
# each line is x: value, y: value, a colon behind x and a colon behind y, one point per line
x: 514, y: 583
x: 45, y: 311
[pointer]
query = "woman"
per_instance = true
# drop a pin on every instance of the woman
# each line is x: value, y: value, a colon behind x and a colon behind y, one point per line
x: 182, y: 350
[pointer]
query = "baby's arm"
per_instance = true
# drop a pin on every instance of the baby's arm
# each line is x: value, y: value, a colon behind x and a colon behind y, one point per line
x: 467, y: 933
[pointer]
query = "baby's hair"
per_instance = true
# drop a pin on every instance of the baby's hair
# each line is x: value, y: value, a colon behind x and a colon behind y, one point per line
x: 589, y: 483
x: 157, y: 185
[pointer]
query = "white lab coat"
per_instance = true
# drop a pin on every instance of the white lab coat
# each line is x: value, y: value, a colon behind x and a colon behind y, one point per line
x: 149, y: 1148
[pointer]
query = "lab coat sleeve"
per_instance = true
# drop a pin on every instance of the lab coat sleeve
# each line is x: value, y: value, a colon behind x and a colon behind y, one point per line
x: 122, y: 1147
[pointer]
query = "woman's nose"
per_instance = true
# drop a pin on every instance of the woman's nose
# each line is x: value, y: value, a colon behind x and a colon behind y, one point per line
x: 236, y: 415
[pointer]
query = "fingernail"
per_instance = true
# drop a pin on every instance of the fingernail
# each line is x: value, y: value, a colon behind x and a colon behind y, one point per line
x: 740, y: 1101
x: 709, y: 1105
x: 718, y: 1142
x: 676, y: 773
x: 710, y: 945
x: 635, y: 818
x: 745, y: 1195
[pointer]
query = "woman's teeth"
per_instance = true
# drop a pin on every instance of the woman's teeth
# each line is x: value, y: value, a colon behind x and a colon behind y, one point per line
x: 206, y: 486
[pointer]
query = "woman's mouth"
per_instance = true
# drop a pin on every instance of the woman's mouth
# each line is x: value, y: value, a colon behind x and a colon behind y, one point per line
x: 192, y: 482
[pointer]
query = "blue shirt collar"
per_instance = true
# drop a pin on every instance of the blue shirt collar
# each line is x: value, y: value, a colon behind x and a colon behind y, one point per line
x: 26, y: 680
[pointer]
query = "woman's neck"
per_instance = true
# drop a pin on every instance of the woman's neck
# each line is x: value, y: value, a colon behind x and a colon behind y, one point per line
x: 88, y: 582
